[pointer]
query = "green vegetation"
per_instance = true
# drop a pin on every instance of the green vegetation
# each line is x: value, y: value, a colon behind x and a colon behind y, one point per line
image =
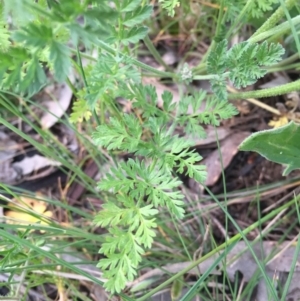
x: 145, y: 199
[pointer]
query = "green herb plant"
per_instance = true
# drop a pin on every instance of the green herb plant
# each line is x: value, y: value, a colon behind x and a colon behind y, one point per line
x: 51, y: 34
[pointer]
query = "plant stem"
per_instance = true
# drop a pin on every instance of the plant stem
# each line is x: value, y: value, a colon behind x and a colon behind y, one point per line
x: 204, y: 77
x: 292, y: 67
x: 275, y: 18
x: 287, y: 61
x: 238, y: 19
x: 155, y: 53
x: 280, y: 90
x: 137, y: 63
x: 292, y: 25
x: 282, y: 28
x: 85, y: 83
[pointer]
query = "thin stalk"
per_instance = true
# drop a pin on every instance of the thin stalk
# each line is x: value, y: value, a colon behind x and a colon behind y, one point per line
x: 208, y: 77
x: 155, y: 53
x: 213, y: 43
x: 220, y: 20
x: 293, y: 67
x: 137, y: 63
x: 238, y: 19
x: 86, y: 83
x: 275, y: 18
x: 294, y: 261
x: 280, y: 90
x: 225, y: 198
x: 282, y: 28
x: 292, y: 25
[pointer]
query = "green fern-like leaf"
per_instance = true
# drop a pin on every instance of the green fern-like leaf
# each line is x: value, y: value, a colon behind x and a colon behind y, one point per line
x: 60, y: 56
x: 4, y: 37
x: 245, y: 61
x: 169, y: 6
x: 138, y: 180
x: 80, y: 111
x: 258, y: 8
x: 243, y: 64
x: 36, y: 35
x: 108, y: 77
x: 137, y: 16
x: 125, y: 135
x: 216, y: 110
x: 216, y: 61
x: 123, y: 247
x: 133, y: 35
x: 123, y: 253
x: 129, y: 5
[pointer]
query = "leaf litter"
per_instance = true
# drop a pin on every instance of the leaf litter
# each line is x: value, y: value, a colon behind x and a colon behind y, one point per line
x: 277, y: 260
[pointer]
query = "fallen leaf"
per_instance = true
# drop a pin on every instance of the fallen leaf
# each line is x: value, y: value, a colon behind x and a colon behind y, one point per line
x: 26, y: 211
x: 8, y: 149
x: 229, y: 147
x: 211, y: 136
x: 160, y: 88
x: 34, y: 163
x: 56, y: 108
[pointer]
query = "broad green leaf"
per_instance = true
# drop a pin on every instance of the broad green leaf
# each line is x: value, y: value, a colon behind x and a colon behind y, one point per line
x: 280, y: 145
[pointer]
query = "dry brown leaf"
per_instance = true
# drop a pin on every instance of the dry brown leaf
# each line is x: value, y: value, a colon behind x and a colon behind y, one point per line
x: 34, y: 163
x: 211, y: 136
x: 160, y: 88
x: 56, y: 108
x: 229, y: 147
x: 8, y: 149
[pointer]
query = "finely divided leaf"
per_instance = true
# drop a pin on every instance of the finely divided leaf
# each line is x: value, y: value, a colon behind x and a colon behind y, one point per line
x: 246, y: 61
x: 133, y: 35
x: 170, y: 6
x: 269, y: 54
x: 243, y: 64
x: 60, y: 55
x: 138, y: 16
x: 119, y: 135
x: 35, y: 77
x: 36, y: 35
x: 218, y: 85
x: 4, y: 37
x: 129, y: 5
x: 216, y: 61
